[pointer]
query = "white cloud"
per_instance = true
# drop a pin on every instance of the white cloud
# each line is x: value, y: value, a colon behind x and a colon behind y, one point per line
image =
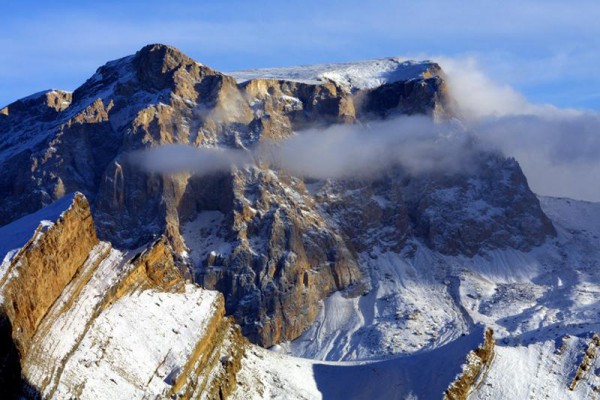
x: 341, y: 151
x: 477, y: 95
x: 558, y: 149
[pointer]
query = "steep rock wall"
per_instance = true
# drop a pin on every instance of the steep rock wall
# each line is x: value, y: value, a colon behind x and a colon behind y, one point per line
x: 66, y: 298
x: 43, y: 267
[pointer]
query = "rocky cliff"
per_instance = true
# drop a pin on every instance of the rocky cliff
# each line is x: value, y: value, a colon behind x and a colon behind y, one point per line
x: 283, y: 245
x: 284, y: 257
x: 83, y: 320
x: 489, y: 207
x: 37, y: 275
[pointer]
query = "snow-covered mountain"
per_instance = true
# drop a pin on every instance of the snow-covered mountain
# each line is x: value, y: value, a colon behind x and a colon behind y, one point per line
x: 383, y: 284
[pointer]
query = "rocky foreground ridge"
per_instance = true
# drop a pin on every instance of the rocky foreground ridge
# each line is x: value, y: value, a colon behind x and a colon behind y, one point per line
x: 80, y: 319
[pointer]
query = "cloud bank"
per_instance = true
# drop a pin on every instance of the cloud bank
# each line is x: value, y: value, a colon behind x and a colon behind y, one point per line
x: 558, y: 149
x: 416, y: 144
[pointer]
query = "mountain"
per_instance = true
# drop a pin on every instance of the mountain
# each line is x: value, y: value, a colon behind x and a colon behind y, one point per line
x: 390, y: 271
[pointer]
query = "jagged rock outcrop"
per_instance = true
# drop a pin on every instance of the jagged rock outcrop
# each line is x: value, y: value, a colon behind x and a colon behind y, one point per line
x: 283, y: 105
x: 82, y: 320
x: 478, y: 361
x: 287, y: 247
x: 40, y: 105
x: 587, y: 361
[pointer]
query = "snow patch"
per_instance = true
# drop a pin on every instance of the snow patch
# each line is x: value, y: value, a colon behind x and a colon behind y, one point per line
x: 357, y: 75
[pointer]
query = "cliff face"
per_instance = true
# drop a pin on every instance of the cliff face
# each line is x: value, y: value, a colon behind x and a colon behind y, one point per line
x: 83, y: 320
x: 284, y: 257
x: 426, y: 96
x: 36, y: 277
x: 283, y: 247
x: 160, y: 96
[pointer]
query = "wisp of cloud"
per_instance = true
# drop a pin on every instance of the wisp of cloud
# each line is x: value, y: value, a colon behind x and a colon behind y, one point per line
x: 416, y: 144
x: 176, y: 158
x: 558, y: 149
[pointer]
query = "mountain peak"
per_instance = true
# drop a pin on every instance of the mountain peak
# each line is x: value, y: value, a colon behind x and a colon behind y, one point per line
x: 154, y: 68
x: 156, y: 64
x: 161, y: 56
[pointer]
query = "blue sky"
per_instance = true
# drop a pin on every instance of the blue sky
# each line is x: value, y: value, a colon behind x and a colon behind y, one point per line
x: 547, y: 50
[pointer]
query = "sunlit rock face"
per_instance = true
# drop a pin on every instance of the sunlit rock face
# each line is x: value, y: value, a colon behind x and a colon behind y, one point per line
x: 80, y: 319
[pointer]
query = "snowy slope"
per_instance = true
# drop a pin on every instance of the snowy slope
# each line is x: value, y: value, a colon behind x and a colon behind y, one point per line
x: 407, y: 310
x: 359, y: 75
x: 534, y: 300
x: 547, y: 338
x: 541, y: 370
x: 143, y: 338
x: 205, y: 235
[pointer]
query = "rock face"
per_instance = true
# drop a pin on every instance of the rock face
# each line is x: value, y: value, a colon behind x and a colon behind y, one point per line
x: 282, y: 247
x: 82, y: 320
x: 284, y: 259
x: 427, y: 95
x: 490, y: 208
x: 478, y: 361
x: 34, y: 280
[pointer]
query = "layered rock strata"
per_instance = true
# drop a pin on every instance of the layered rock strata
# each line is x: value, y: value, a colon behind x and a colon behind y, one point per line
x: 100, y: 323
